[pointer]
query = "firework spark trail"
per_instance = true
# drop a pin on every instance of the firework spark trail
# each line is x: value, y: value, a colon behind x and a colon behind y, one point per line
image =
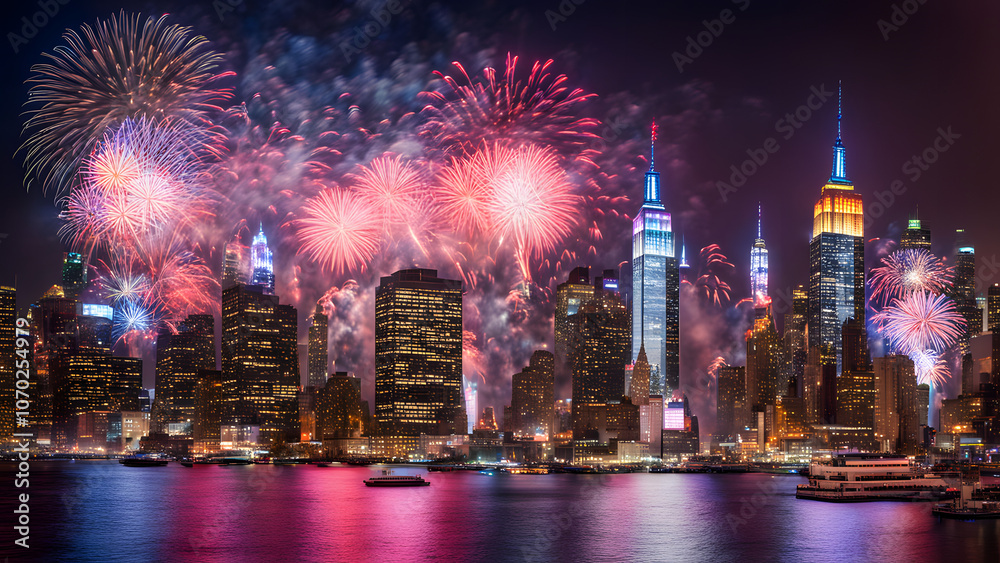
x: 921, y: 321
x: 120, y: 68
x: 393, y: 188
x: 540, y: 110
x: 906, y: 271
x: 709, y: 284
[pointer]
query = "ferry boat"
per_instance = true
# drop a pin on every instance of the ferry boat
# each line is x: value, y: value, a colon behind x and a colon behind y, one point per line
x: 140, y: 461
x: 972, y: 503
x: 387, y: 479
x: 871, y: 477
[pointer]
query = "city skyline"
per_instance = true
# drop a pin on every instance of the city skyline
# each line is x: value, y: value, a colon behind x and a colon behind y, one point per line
x: 787, y: 257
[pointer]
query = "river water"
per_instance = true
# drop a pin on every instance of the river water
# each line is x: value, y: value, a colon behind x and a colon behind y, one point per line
x: 102, y: 511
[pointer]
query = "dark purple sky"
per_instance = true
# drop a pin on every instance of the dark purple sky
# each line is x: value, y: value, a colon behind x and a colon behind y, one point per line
x: 937, y: 70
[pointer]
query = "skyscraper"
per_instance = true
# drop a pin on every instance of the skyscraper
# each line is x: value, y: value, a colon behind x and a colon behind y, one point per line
x: 733, y: 412
x: 916, y: 235
x: 340, y: 412
x: 236, y: 263
x: 318, y: 350
x: 8, y: 318
x: 895, y: 412
x: 261, y: 263
x: 569, y: 296
x: 836, y: 258
x: 655, y: 286
x: 94, y: 326
x: 260, y: 365
x: 993, y: 307
x: 601, y: 340
x: 763, y: 361
x: 418, y: 353
x: 53, y: 331
x: 532, y: 399
x: 758, y: 265
x: 964, y: 288
x: 180, y: 357
x: 471, y: 390
x: 74, y: 275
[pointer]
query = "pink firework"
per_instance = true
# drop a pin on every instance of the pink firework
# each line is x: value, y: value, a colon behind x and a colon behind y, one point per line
x: 392, y: 188
x: 533, y: 202
x: 83, y: 217
x: 337, y: 229
x: 930, y: 368
x: 906, y: 271
x: 540, y: 109
x: 113, y: 169
x: 464, y: 197
x: 921, y: 321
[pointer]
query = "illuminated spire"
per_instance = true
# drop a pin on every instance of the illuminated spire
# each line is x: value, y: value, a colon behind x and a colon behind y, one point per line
x: 839, y: 173
x: 758, y: 221
x: 684, y: 260
x: 651, y: 192
x: 261, y: 263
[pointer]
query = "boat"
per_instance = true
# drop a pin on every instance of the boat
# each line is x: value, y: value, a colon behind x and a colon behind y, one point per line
x: 235, y: 461
x: 187, y: 463
x: 872, y: 477
x: 138, y: 461
x: 972, y: 503
x: 495, y: 471
x: 387, y: 479
x: 441, y: 468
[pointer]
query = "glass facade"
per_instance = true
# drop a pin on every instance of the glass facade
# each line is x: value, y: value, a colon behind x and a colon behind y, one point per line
x: 655, y: 289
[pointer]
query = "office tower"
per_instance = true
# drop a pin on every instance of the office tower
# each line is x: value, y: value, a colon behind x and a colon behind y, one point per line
x: 684, y: 268
x: 794, y: 353
x: 895, y: 412
x: 260, y: 365
x: 964, y: 289
x: 418, y: 353
x: 758, y: 265
x: 261, y: 263
x: 836, y: 258
x: 10, y: 357
x: 532, y: 399
x: 318, y: 348
x: 235, y: 263
x: 855, y: 354
x: 74, y: 275
x: 993, y: 307
x: 340, y: 412
x: 601, y: 342
x: 732, y: 409
x: 471, y: 392
x: 916, y: 235
x: 923, y: 404
x: 569, y: 296
x: 209, y: 405
x: 86, y: 381
x: 819, y: 387
x: 763, y: 361
x: 655, y: 286
x: 53, y: 333
x: 639, y: 386
x: 180, y: 357
x: 94, y: 327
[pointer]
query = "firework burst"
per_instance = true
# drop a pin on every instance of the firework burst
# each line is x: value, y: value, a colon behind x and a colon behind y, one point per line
x: 921, y: 321
x: 119, y: 69
x: 392, y: 188
x: 339, y: 230
x: 906, y: 271
x: 540, y: 110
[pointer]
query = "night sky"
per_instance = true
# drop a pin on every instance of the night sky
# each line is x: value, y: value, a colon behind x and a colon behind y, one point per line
x: 935, y: 70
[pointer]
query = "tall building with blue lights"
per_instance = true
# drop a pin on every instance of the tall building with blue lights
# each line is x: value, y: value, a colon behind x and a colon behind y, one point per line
x: 261, y: 264
x: 655, y: 287
x: 758, y: 265
x: 836, y: 259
